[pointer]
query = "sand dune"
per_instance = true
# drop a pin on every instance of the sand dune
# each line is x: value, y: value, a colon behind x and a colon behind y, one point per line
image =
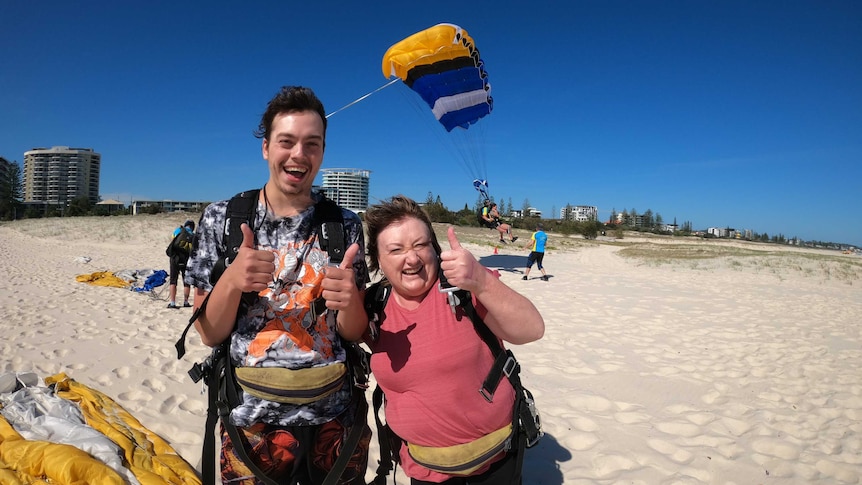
x: 665, y: 360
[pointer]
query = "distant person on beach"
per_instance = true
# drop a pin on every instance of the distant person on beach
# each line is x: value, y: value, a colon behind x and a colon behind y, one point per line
x: 430, y: 362
x: 537, y: 251
x: 492, y: 219
x: 285, y: 310
x: 178, y: 251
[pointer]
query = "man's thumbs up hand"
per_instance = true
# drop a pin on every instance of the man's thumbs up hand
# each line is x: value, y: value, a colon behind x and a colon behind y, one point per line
x: 251, y: 269
x: 339, y: 283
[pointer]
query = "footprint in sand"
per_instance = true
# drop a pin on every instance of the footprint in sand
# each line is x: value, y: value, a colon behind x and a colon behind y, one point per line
x: 170, y: 404
x: 152, y: 361
x: 580, y: 441
x: 686, y: 430
x: 154, y: 385
x: 135, y: 395
x: 103, y: 380
x: 194, y: 406
x: 56, y: 353
x: 611, y: 466
x: 777, y: 448
x: 122, y: 372
x: 671, y: 451
x: 631, y: 418
x: 589, y: 403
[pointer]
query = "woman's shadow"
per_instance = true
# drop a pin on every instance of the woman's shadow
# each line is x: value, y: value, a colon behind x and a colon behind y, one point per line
x: 542, y: 462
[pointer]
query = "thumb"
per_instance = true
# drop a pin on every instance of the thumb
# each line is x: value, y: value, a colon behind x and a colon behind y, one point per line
x: 453, y: 240
x: 247, y: 237
x: 349, y: 256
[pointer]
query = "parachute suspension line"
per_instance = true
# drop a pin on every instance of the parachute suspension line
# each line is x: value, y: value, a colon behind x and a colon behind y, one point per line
x: 464, y: 145
x: 390, y: 83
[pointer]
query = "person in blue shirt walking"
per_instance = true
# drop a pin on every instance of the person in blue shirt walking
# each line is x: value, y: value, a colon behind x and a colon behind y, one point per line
x: 537, y: 252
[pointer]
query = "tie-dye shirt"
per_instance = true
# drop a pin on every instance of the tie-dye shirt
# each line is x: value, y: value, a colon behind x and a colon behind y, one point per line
x: 279, y: 330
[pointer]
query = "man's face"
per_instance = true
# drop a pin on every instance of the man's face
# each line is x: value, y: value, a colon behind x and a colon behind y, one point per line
x: 294, y: 151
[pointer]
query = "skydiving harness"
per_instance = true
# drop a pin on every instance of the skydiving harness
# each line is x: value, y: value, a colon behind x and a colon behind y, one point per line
x: 220, y: 375
x: 524, y: 431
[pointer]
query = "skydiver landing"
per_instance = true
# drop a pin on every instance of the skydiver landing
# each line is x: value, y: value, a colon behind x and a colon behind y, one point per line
x: 491, y: 216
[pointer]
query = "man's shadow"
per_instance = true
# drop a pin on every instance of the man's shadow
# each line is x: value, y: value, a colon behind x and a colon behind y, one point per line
x: 542, y: 462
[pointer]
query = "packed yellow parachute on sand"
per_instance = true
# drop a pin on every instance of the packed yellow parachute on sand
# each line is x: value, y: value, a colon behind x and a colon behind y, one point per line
x: 149, y: 457
x: 102, y: 278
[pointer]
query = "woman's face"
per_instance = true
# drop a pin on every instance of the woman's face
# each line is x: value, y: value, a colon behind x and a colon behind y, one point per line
x: 407, y: 258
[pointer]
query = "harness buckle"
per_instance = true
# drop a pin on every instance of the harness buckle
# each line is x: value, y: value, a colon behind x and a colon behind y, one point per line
x: 451, y: 297
x: 510, y: 366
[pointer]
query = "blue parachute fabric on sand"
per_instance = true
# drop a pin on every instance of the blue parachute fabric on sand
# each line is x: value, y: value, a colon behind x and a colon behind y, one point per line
x: 154, y: 281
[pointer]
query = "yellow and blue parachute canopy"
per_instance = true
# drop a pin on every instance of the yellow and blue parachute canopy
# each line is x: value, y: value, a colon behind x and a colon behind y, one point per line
x: 443, y: 66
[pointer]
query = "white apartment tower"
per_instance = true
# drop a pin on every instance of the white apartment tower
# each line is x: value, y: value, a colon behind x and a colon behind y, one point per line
x: 579, y: 213
x: 348, y: 187
x: 59, y: 174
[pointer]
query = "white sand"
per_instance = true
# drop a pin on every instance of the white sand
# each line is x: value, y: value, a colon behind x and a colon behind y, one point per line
x: 737, y: 370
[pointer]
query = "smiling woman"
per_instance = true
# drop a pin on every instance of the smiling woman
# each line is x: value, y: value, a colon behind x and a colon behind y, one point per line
x: 427, y: 360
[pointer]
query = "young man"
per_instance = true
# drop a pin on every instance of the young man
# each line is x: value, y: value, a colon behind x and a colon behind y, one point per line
x: 537, y: 252
x: 280, y: 261
x: 179, y: 258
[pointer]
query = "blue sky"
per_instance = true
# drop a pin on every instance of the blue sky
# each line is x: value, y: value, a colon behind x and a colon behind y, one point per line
x: 745, y: 114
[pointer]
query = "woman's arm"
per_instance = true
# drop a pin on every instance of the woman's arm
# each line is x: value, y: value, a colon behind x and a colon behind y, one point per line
x: 511, y: 316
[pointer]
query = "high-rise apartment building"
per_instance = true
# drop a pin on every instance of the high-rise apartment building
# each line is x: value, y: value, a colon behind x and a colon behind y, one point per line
x: 59, y: 174
x: 580, y: 213
x: 348, y: 187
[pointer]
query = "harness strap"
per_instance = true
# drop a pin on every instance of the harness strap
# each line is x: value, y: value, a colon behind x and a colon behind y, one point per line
x: 504, y: 360
x: 350, y: 444
x: 386, y: 438
x: 227, y: 398
x: 524, y: 411
x: 240, y: 210
x: 208, y: 471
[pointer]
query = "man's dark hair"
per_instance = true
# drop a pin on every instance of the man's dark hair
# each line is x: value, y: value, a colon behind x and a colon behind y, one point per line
x: 290, y: 99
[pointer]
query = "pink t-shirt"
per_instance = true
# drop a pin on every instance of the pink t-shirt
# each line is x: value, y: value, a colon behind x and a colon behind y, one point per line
x: 431, y: 367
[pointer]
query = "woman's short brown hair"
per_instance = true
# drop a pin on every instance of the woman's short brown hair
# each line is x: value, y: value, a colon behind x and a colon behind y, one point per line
x: 380, y: 216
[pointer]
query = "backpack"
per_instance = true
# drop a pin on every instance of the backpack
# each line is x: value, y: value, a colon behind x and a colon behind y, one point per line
x: 181, y: 246
x: 217, y: 370
x: 527, y: 426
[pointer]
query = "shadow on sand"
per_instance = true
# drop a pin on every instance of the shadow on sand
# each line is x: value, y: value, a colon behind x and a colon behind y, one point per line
x: 510, y: 263
x: 542, y: 462
x: 505, y: 262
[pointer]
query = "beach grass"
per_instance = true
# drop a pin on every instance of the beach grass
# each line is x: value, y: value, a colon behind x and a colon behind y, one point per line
x: 823, y: 264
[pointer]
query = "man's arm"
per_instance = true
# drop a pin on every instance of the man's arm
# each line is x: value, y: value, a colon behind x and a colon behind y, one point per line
x: 251, y: 270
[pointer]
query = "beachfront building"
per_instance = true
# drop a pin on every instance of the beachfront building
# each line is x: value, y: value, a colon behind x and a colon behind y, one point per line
x: 530, y: 212
x: 579, y: 213
x: 150, y: 206
x: 348, y: 187
x: 56, y: 175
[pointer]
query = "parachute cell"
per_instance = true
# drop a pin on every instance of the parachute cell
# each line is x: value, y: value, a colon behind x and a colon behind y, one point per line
x: 443, y: 66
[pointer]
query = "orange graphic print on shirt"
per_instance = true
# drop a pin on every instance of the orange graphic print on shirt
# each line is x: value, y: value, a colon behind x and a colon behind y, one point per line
x: 291, y: 326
